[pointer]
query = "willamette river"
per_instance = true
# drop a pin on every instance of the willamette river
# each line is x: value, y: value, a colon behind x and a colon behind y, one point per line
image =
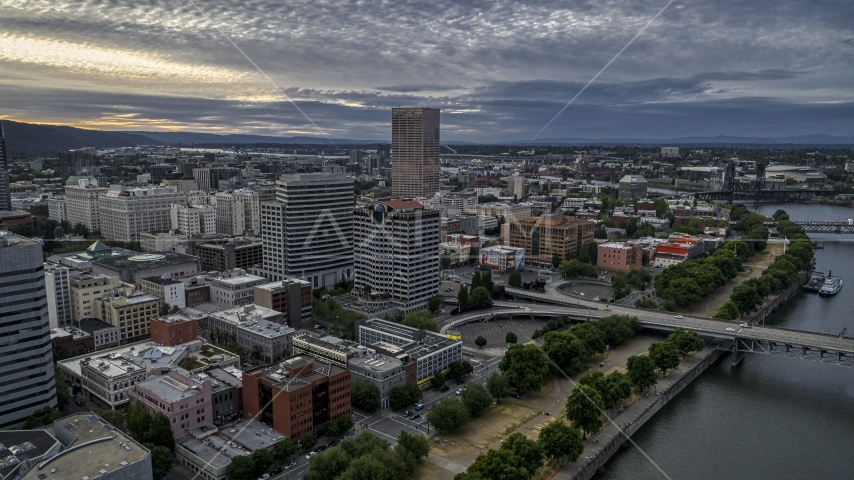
x: 773, y: 417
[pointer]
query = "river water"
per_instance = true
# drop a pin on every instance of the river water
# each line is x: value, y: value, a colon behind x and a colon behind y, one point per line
x: 773, y: 416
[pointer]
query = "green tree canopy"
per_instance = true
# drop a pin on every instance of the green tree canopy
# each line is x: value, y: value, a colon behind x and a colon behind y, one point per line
x: 438, y: 380
x: 448, y: 415
x: 161, y: 460
x: 404, y: 395
x: 728, y: 311
x: 115, y: 418
x: 498, y: 386
x: 241, y: 468
x: 285, y: 449
x: 511, y: 338
x: 558, y: 441
x: 515, y: 279
x: 591, y: 336
x: 665, y: 355
x: 583, y: 409
x: 475, y: 398
x: 421, y: 320
x: 263, y: 460
x: 641, y: 371
x: 480, y: 298
x: 435, y: 303
x: 686, y: 341
x: 566, y: 350
x: 525, y: 366
x: 364, y: 395
x: 480, y: 341
x: 463, y: 297
x: 307, y: 441
x: 528, y: 451
x: 574, y: 268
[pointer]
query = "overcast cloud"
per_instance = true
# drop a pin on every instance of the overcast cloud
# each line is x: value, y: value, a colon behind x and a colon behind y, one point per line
x: 499, y: 70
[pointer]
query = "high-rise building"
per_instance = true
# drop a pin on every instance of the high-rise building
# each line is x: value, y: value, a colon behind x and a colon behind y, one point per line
x: 58, y: 289
x: 5, y: 194
x: 127, y: 211
x: 81, y: 202
x: 237, y: 212
x: 308, y: 232
x: 414, y: 152
x: 193, y: 219
x: 26, y: 361
x: 396, y: 252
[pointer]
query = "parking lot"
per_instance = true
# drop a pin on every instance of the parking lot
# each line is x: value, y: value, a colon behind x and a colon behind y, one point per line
x: 494, y: 332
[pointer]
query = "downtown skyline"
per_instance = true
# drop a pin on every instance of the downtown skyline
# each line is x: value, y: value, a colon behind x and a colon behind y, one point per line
x: 498, y: 72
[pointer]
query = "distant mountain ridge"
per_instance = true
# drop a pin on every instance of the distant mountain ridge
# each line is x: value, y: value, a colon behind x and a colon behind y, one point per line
x: 36, y: 138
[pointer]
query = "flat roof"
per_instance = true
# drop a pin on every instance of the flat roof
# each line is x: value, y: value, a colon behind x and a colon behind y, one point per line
x: 219, y: 448
x: 145, y: 261
x: 377, y: 363
x: 145, y: 354
x: 229, y: 376
x: 239, y: 279
x: 170, y: 389
x: 93, y: 325
x: 99, y: 446
x: 21, y: 445
x: 162, y: 281
x: 277, y: 375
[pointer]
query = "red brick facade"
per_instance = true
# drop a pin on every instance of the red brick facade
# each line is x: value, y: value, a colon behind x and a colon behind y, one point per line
x: 171, y: 332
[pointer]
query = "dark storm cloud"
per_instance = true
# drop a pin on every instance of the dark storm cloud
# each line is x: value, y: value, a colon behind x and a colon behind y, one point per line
x: 496, y: 69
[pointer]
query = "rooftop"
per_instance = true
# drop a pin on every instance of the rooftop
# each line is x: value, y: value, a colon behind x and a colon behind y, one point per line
x: 18, y: 445
x: 145, y: 354
x: 376, y: 362
x: 98, y: 448
x: 93, y: 324
x: 170, y: 389
x: 221, y: 447
x: 9, y: 239
x: 238, y: 279
x: 277, y: 373
x: 145, y: 261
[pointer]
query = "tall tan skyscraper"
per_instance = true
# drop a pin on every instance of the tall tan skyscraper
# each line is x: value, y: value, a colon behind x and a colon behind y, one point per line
x: 414, y: 152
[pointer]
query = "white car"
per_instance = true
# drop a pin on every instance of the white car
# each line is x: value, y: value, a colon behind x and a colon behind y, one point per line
x: 730, y: 329
x: 745, y: 325
x: 459, y: 391
x: 264, y: 477
x: 310, y: 454
x: 679, y: 316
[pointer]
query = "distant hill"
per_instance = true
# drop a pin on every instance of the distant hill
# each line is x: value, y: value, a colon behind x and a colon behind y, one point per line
x: 723, y: 140
x: 33, y: 138
x: 212, y: 139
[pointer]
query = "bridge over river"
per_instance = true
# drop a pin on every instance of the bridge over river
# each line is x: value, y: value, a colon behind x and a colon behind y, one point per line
x: 836, y: 349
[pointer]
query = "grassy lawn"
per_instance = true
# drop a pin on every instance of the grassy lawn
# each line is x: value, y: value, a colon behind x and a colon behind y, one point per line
x: 191, y: 364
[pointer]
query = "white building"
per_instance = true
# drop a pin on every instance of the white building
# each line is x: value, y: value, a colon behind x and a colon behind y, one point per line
x: 235, y: 288
x: 669, y: 151
x: 396, y: 252
x: 517, y: 186
x: 510, y: 213
x: 308, y: 231
x: 81, y: 203
x: 237, y: 212
x: 502, y: 257
x: 161, y: 242
x: 127, y: 211
x: 193, y: 219
x: 254, y: 326
x: 58, y: 289
x: 57, y: 209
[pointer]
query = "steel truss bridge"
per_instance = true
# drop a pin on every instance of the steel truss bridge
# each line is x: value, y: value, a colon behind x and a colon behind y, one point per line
x: 827, y: 227
x: 734, y: 188
x: 827, y: 348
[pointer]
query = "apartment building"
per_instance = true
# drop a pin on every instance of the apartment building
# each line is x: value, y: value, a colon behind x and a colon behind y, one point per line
x: 57, y: 208
x: 193, y: 219
x: 167, y: 289
x: 620, y: 257
x: 396, y: 253
x: 549, y: 235
x: 184, y: 398
x: 415, y: 141
x: 127, y: 211
x: 81, y: 202
x: 238, y: 212
x: 253, y: 326
x: 297, y: 395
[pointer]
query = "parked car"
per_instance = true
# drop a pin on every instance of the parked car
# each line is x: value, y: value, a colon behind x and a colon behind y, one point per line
x: 419, y: 406
x: 730, y: 329
x: 79, y: 402
x: 678, y: 316
x: 264, y: 477
x: 310, y: 454
x: 322, y: 448
x: 459, y: 391
x: 276, y: 471
x: 445, y: 388
x: 745, y: 325
x: 460, y: 381
x: 334, y: 443
x: 290, y: 465
x: 455, y: 311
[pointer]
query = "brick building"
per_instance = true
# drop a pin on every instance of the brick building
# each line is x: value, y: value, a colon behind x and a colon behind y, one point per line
x: 297, y: 395
x: 290, y: 296
x: 174, y: 329
x: 619, y: 256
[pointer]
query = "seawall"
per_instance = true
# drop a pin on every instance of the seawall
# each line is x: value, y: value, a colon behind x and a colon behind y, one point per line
x: 599, y: 449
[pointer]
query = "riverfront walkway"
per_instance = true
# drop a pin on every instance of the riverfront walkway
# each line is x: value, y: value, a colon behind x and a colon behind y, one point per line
x: 601, y: 447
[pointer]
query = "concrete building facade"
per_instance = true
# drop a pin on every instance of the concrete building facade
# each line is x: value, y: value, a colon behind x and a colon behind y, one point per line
x: 291, y: 296
x: 127, y: 211
x: 619, y: 257
x: 549, y: 235
x: 81, y: 203
x: 58, y: 289
x: 193, y: 219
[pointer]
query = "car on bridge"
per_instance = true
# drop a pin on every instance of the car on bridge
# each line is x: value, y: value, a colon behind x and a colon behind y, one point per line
x: 744, y: 325
x: 730, y: 329
x: 679, y: 316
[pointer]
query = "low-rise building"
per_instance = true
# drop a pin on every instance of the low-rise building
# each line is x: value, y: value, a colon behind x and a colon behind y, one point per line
x: 256, y: 329
x: 209, y: 453
x: 184, y: 398
x: 134, y: 268
x: 381, y: 371
x: 70, y: 341
x: 234, y: 288
x: 619, y: 256
x: 297, y: 395
x: 174, y: 329
x: 291, y: 296
x: 677, y: 249
x: 161, y: 242
x: 502, y: 257
x: 226, y: 392
x: 103, y: 334
x: 326, y: 348
x: 128, y: 309
x: 169, y: 290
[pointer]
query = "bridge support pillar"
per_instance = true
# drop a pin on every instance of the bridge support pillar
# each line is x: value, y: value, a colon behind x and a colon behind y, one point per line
x: 737, y: 357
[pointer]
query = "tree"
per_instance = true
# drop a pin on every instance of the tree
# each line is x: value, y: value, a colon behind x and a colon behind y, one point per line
x: 592, y: 338
x: 583, y: 409
x: 138, y: 419
x: 480, y: 342
x: 160, y: 432
x: 364, y: 395
x: 574, y: 268
x: 525, y: 367
x: 459, y: 368
x: 528, y: 451
x: 328, y: 465
x: 463, y: 297
x: 501, y: 464
x: 558, y: 440
x: 510, y: 338
x: 566, y: 350
x: 435, y: 303
x: 745, y: 297
x: 345, y: 423
x: 404, y: 396
x: 438, y: 380
x: 416, y: 445
x: 285, y: 449
x: 307, y: 441
x: 115, y: 418
x: 475, y: 398
x: 728, y: 311
x: 641, y: 371
x: 421, y: 320
x: 257, y: 353
x: 686, y: 341
x: 618, y: 328
x: 262, y: 459
x: 515, y: 279
x: 63, y: 395
x: 448, y: 415
x: 480, y: 298
x: 241, y: 468
x: 497, y: 386
x: 556, y: 260
x: 161, y: 460
x: 665, y: 355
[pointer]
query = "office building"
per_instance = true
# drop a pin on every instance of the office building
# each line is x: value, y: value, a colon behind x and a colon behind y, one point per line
x: 235, y: 288
x: 193, y: 219
x: 210, y: 178
x: 84, y: 289
x: 502, y: 257
x: 81, y: 202
x: 103, y: 334
x: 159, y: 171
x: 183, y: 184
x: 134, y: 268
x: 631, y: 187
x: 210, y: 453
x: 619, y: 257
x: 57, y: 209
x: 128, y: 309
x: 381, y: 371
x: 238, y: 212
x: 549, y: 235
x: 256, y: 329
x: 415, y: 146
x: 167, y: 289
x: 184, y: 398
x: 326, y: 348
x: 291, y: 296
x: 427, y: 351
x: 224, y: 254
x: 5, y: 193
x: 396, y: 253
x: 308, y: 231
x: 174, y: 329
x: 84, y: 446
x: 517, y: 187
x: 297, y: 395
x: 509, y: 213
x: 58, y: 289
x: 161, y: 242
x: 127, y: 211
x: 26, y: 363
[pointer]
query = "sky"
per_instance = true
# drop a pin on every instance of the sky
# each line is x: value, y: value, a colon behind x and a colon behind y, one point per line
x: 499, y: 70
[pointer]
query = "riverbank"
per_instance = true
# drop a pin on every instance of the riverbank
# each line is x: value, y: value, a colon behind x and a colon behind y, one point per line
x: 600, y: 448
